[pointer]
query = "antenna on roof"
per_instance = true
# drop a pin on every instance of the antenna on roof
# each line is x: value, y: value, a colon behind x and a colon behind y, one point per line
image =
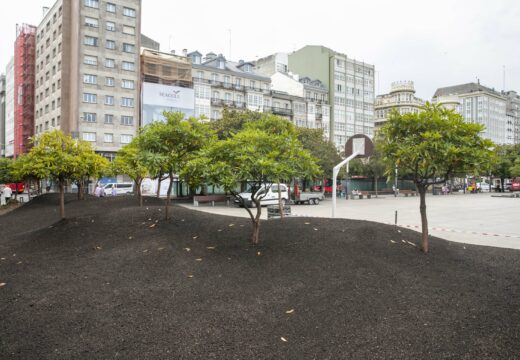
x: 503, y: 78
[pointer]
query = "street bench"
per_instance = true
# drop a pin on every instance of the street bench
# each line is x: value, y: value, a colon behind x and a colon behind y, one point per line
x: 360, y: 195
x: 210, y: 199
x: 408, y: 192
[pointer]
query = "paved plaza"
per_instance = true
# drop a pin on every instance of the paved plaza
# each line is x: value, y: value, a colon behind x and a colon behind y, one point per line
x: 480, y: 219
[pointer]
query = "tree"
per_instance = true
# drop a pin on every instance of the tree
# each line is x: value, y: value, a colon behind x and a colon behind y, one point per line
x: 6, y: 168
x: 430, y: 146
x: 233, y: 121
x: 130, y: 160
x: 257, y: 156
x: 87, y: 164
x: 55, y: 155
x: 170, y: 145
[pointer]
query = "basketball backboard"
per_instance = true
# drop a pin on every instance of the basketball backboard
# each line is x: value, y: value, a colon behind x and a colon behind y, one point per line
x: 360, y: 143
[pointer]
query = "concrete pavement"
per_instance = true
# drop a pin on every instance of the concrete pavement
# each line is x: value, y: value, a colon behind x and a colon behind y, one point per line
x: 468, y: 218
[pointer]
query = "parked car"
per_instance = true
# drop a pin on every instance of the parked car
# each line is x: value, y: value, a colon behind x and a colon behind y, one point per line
x: 17, y: 186
x: 269, y: 195
x: 121, y: 188
x: 508, y: 186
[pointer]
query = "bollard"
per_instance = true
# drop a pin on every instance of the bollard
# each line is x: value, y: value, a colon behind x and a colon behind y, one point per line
x: 395, y: 218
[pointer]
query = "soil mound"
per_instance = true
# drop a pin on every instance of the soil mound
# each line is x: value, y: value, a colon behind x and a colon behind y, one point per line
x: 116, y: 280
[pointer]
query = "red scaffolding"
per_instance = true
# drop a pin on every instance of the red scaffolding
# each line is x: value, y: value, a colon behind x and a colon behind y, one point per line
x: 24, y: 75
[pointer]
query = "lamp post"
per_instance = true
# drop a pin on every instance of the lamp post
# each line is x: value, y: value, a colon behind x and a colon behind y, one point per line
x: 395, y: 182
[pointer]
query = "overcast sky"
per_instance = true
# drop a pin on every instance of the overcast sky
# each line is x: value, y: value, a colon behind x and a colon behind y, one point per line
x: 433, y: 43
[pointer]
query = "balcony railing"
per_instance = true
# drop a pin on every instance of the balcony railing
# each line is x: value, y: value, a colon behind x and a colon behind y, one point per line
x: 282, y: 111
x: 217, y: 102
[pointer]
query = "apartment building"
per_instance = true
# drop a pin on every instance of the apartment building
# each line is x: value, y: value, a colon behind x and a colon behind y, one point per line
x: 478, y: 104
x: 220, y: 83
x: 302, y: 100
x: 512, y: 117
x: 87, y: 71
x: 2, y: 115
x: 350, y: 85
x: 9, y: 109
x: 401, y: 97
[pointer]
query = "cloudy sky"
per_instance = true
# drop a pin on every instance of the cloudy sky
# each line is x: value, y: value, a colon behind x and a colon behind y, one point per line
x: 434, y: 44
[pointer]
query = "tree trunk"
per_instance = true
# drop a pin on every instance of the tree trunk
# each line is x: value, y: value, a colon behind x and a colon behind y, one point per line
x: 138, y: 183
x: 256, y: 224
x: 159, y: 180
x: 168, y: 197
x: 280, y: 206
x: 62, y: 199
x: 424, y: 220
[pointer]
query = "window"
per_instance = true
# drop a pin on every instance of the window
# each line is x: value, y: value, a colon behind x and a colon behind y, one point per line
x: 89, y: 136
x: 91, y: 41
x: 109, y: 119
x: 126, y: 139
x: 127, y: 102
x: 110, y: 63
x: 89, y: 117
x: 127, y: 84
x: 251, y: 84
x: 110, y: 44
x: 91, y: 22
x: 127, y: 120
x: 109, y: 81
x: 128, y: 12
x: 130, y: 30
x: 109, y: 100
x: 92, y: 3
x: 129, y: 66
x: 111, y: 7
x: 110, y: 26
x: 108, y: 138
x: 90, y: 98
x: 129, y: 48
x: 89, y: 79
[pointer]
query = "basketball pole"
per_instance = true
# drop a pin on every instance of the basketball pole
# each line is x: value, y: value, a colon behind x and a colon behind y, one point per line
x: 335, y: 172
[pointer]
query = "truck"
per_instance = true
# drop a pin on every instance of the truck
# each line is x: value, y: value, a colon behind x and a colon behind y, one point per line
x: 305, y: 197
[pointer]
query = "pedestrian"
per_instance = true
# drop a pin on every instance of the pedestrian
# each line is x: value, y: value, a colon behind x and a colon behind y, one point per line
x: 98, y: 190
x: 394, y: 189
x: 7, y: 194
x: 114, y: 190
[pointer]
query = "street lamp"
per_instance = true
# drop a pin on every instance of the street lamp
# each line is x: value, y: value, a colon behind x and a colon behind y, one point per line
x: 395, y: 182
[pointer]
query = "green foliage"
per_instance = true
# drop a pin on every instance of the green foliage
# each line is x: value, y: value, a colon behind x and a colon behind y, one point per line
x: 432, y: 145
x: 130, y: 161
x: 323, y: 151
x: 87, y: 163
x: 506, y: 156
x: 6, y: 169
x: 233, y: 121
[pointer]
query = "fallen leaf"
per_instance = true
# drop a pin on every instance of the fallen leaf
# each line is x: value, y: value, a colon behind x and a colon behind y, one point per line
x: 18, y: 263
x: 210, y: 248
x: 398, y: 231
x: 403, y: 241
x: 259, y: 253
x: 411, y: 243
x: 150, y: 219
x: 392, y: 241
x: 92, y: 220
x: 160, y: 249
x: 290, y: 311
x: 229, y: 258
x: 283, y: 339
x: 156, y: 221
x: 198, y: 259
x: 182, y: 219
x: 307, y: 223
x: 153, y: 225
x: 241, y: 225
x: 2, y: 284
x: 315, y: 229
x: 2, y: 258
x: 195, y: 237
x: 190, y: 276
x: 187, y: 249
x: 97, y: 248
x: 230, y: 225
x: 219, y: 230
x: 130, y: 237
x: 145, y: 250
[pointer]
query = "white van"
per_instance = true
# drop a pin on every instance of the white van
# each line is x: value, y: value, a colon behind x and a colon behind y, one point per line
x: 270, y: 197
x: 121, y: 188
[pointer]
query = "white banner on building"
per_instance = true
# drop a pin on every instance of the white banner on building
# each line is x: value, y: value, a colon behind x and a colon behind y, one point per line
x: 158, y: 98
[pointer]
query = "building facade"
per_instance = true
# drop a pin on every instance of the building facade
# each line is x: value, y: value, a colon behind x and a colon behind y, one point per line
x: 351, y: 89
x: 401, y: 98
x: 513, y: 116
x: 166, y: 85
x: 478, y: 104
x: 24, y: 66
x: 9, y: 109
x: 220, y: 83
x: 2, y: 115
x: 87, y: 71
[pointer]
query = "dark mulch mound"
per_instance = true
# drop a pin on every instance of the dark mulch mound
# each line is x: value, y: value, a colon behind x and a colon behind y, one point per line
x: 116, y: 281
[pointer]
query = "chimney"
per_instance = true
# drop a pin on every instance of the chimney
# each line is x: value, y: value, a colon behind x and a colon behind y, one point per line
x: 185, y: 52
x: 172, y: 52
x: 240, y: 62
x: 45, y: 10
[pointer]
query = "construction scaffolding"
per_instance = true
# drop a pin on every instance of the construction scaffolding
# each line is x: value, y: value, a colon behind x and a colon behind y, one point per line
x: 166, y: 69
x: 24, y: 75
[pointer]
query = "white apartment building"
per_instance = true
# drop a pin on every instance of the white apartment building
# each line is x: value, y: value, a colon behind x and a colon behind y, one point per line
x: 401, y: 97
x: 481, y: 105
x: 513, y: 117
x: 87, y: 71
x: 9, y: 110
x: 351, y: 89
x: 220, y: 83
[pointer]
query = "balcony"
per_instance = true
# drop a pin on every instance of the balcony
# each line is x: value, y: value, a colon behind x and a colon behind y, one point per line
x: 216, y: 102
x: 238, y: 87
x: 239, y: 104
x: 228, y: 102
x: 282, y: 111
